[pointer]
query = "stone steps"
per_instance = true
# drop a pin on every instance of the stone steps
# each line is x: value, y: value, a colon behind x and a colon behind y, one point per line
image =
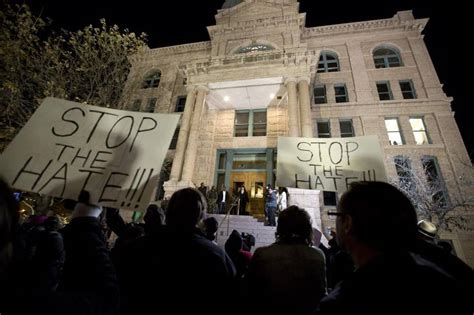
x: 264, y: 235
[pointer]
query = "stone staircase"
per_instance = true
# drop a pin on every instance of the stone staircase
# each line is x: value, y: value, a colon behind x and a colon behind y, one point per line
x: 264, y: 235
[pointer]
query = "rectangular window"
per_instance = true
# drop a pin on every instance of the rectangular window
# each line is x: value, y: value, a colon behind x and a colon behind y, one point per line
x: 393, y: 130
x: 174, y: 140
x: 408, y: 90
x: 330, y: 198
x: 136, y: 105
x: 320, y: 94
x: 419, y: 131
x: 341, y: 93
x: 385, y: 93
x: 404, y: 172
x: 324, y: 129
x: 347, y: 130
x: 435, y: 180
x: 250, y: 123
x: 150, y: 106
x: 180, y: 103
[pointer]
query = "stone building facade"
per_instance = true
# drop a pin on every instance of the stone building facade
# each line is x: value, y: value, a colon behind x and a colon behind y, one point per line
x: 263, y: 74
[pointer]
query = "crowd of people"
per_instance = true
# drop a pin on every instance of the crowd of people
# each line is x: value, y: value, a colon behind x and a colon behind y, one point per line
x: 380, y: 261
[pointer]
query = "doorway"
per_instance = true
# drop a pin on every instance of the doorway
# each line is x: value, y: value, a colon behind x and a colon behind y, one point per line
x: 254, y: 183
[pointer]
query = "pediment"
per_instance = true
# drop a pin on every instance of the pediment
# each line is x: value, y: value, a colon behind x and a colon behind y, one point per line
x: 255, y: 7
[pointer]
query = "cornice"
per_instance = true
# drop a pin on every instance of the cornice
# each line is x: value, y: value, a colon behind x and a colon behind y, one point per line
x: 392, y: 23
x: 179, y: 49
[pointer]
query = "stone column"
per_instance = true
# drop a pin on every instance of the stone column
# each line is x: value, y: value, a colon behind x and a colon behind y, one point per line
x: 292, y: 107
x: 305, y: 107
x: 183, y: 135
x: 191, y: 150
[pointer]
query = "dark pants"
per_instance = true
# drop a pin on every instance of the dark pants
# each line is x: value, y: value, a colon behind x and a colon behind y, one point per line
x: 222, y: 207
x: 271, y: 216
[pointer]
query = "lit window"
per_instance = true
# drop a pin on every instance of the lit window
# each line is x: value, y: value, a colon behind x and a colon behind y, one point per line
x: 346, y: 127
x: 393, y: 130
x: 341, y: 93
x: 324, y: 129
x: 385, y: 93
x: 419, y: 131
x: 152, y: 80
x: 386, y: 58
x: 408, y: 91
x: 250, y: 123
x: 328, y: 62
x: 320, y: 94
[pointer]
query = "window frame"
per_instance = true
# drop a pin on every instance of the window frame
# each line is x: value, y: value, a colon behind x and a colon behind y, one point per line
x: 345, y: 95
x: 388, y: 92
x: 325, y: 134
x: 251, y: 123
x: 399, y: 131
x: 323, y: 63
x: 383, y: 61
x: 345, y: 134
x: 323, y: 97
x: 411, y: 92
x: 178, y: 99
x: 152, y: 81
x: 424, y: 130
x: 151, y: 105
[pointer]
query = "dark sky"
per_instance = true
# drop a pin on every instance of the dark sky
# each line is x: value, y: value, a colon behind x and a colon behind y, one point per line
x: 178, y: 22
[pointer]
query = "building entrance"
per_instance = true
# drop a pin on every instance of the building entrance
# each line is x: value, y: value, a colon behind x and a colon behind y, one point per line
x: 254, y: 183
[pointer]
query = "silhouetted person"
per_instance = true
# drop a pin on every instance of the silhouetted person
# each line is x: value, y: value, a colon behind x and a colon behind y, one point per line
x: 210, y: 227
x: 243, y: 200
x: 377, y: 225
x: 240, y: 257
x: 288, y: 276
x: 222, y: 200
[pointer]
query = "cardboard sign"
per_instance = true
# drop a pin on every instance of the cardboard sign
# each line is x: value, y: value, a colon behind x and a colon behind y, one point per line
x: 329, y: 164
x: 66, y: 147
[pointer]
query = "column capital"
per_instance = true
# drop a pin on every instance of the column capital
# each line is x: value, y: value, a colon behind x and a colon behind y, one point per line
x: 201, y: 87
x: 307, y: 79
x: 290, y: 79
x: 191, y: 88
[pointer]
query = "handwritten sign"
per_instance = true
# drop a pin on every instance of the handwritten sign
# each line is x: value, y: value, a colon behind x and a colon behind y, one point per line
x: 329, y: 164
x: 66, y: 147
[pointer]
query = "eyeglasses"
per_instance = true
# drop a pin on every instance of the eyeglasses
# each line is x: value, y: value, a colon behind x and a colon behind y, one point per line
x: 337, y: 214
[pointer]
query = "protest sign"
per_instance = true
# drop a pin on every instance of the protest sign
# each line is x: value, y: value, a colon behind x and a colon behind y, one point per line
x: 66, y: 147
x: 328, y: 164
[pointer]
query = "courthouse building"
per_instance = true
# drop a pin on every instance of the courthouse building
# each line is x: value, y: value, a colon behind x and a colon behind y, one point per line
x: 264, y: 74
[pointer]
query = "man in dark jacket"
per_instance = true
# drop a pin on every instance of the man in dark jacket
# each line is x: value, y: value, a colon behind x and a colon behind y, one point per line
x: 376, y: 224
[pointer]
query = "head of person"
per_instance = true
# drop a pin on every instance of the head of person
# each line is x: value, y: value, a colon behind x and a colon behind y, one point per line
x: 202, y: 185
x: 9, y: 217
x: 242, y: 188
x: 210, y: 227
x: 154, y: 216
x: 52, y: 223
x: 377, y: 216
x: 294, y: 226
x: 185, y: 209
x: 234, y: 243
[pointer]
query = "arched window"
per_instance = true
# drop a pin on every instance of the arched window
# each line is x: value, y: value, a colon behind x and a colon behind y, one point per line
x: 152, y: 80
x: 254, y: 48
x: 328, y: 62
x: 386, y: 58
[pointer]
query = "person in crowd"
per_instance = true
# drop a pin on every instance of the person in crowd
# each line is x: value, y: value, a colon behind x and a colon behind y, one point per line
x: 222, y: 200
x: 282, y: 202
x: 243, y: 200
x: 177, y: 264
x: 240, y: 257
x: 88, y: 284
x: 339, y: 264
x: 212, y: 200
x: 428, y: 248
x: 377, y: 225
x: 154, y: 218
x: 203, y: 190
x: 289, y: 275
x: 271, y: 205
x: 209, y: 228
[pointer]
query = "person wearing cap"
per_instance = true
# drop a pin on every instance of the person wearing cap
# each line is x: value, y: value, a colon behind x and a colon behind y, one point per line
x: 377, y: 225
x: 427, y: 247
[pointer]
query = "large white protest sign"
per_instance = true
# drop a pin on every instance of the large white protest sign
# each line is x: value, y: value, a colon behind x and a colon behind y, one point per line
x: 329, y: 164
x: 66, y: 147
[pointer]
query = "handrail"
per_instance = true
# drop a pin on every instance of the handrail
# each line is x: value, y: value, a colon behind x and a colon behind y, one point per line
x: 235, y: 202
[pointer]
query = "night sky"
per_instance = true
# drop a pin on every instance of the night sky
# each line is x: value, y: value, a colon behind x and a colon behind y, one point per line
x: 179, y: 22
